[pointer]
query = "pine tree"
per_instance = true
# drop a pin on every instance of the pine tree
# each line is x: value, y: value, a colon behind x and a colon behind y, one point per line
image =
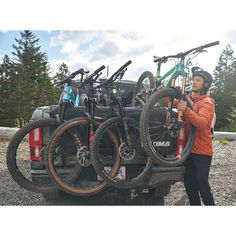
x: 63, y: 71
x: 232, y: 118
x: 224, y: 86
x: 32, y: 83
x: 6, y: 72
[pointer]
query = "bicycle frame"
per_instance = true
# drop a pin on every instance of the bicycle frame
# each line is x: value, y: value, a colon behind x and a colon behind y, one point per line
x: 143, y: 90
x: 89, y: 111
x: 119, y: 112
x: 174, y: 72
x: 69, y: 95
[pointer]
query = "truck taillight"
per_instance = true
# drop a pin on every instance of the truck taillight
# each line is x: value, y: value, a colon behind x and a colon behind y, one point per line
x: 35, y: 144
x: 182, y: 140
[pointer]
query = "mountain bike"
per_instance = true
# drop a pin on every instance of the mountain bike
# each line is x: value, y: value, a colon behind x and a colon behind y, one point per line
x: 148, y: 83
x: 166, y: 137
x: 135, y: 166
x: 27, y: 146
x: 69, y: 177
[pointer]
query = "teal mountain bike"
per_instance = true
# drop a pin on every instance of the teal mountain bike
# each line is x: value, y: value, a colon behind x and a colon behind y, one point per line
x: 166, y: 137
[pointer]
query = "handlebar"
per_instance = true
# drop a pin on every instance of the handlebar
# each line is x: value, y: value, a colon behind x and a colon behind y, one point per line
x: 199, y: 49
x: 119, y: 71
x: 211, y: 44
x: 80, y: 71
x: 184, y: 54
x: 95, y: 74
x: 125, y: 65
x: 99, y: 69
x: 70, y: 77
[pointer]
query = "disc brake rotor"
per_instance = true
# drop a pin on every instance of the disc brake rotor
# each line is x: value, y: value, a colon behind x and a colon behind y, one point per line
x: 126, y: 153
x: 83, y: 156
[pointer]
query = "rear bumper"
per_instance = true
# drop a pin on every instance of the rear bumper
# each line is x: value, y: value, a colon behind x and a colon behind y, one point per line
x: 166, y: 175
x: 159, y: 176
x: 40, y: 177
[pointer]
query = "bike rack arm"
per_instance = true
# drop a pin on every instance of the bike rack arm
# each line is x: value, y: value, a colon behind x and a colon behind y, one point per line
x: 70, y: 77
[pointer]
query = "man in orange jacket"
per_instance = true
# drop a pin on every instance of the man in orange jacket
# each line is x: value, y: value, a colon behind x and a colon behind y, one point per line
x: 199, y: 162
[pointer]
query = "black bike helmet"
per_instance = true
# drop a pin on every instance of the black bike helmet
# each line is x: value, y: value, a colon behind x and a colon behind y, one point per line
x: 197, y: 71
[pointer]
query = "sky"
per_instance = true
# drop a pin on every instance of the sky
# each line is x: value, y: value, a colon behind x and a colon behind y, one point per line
x: 92, y: 33
x: 92, y: 48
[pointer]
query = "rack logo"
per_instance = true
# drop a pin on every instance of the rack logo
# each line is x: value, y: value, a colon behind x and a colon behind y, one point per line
x: 161, y: 143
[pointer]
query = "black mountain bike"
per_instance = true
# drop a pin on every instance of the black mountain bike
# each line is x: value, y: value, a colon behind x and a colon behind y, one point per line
x: 70, y: 177
x: 27, y: 146
x: 135, y: 166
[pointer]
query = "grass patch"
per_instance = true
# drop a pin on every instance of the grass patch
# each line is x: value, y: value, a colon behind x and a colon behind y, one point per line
x: 224, y: 141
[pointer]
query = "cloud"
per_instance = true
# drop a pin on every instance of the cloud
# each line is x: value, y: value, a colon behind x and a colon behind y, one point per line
x: 107, y: 50
x: 96, y: 47
x: 55, y: 65
x: 231, y: 36
x: 91, y: 49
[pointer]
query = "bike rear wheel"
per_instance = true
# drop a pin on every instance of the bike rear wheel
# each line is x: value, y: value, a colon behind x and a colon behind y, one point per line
x: 160, y: 131
x: 75, y: 175
x: 25, y: 152
x: 135, y: 166
x: 143, y: 89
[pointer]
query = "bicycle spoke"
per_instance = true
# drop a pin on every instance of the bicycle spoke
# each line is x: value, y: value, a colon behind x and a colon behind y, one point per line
x: 73, y: 175
x: 134, y: 165
x: 160, y: 140
x: 161, y: 135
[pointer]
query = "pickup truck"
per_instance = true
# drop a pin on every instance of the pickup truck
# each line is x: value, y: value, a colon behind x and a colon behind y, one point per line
x: 152, y: 192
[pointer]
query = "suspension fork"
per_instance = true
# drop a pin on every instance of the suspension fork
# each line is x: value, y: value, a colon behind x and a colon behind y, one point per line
x: 90, y: 116
x: 62, y: 110
x: 169, y: 111
x: 124, y: 125
x: 183, y: 97
x: 92, y: 120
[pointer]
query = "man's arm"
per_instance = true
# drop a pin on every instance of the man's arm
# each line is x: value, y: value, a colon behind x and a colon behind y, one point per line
x: 203, y: 117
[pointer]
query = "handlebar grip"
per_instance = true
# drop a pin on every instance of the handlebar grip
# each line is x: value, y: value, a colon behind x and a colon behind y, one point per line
x: 70, y: 77
x: 91, y: 77
x: 125, y: 65
x: 211, y: 44
x: 61, y: 83
x: 99, y: 69
x: 80, y: 71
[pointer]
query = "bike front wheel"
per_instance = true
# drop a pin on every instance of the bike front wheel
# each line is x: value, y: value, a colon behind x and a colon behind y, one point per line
x: 69, y: 164
x: 165, y: 140
x: 135, y: 166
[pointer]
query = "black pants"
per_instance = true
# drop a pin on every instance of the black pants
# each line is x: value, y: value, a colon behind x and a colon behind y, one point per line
x: 196, y: 179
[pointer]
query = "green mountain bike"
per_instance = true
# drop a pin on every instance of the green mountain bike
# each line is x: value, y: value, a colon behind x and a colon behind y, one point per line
x: 148, y: 83
x: 166, y: 137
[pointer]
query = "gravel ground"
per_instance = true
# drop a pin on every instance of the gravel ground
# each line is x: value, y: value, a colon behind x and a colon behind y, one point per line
x: 222, y: 180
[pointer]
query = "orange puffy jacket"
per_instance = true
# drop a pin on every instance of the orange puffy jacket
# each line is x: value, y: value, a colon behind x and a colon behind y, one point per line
x: 201, y: 117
